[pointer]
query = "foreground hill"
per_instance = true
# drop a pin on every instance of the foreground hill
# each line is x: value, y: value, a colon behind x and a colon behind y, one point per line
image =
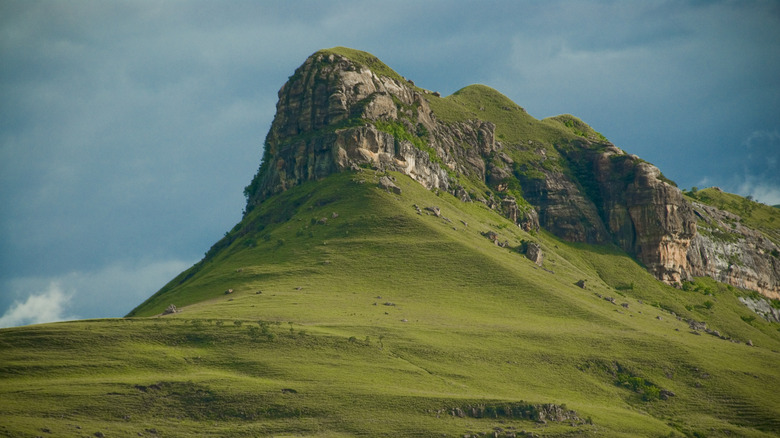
x: 410, y: 265
x: 377, y: 320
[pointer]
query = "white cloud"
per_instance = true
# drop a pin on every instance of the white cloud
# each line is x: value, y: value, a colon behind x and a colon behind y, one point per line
x: 47, y: 306
x: 111, y: 291
x: 765, y: 193
x: 761, y: 148
x: 760, y: 179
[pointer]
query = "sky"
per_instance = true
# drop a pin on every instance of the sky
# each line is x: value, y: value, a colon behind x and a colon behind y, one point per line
x: 128, y: 129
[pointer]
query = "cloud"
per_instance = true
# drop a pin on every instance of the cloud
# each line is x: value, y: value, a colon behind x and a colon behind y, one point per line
x: 111, y: 291
x: 47, y: 306
x: 760, y: 176
x: 761, y: 150
x: 761, y: 192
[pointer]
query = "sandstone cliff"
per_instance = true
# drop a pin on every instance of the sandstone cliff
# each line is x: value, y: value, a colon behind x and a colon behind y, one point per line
x: 344, y: 109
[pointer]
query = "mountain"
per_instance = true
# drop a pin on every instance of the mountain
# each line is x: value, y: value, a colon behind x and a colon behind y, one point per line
x: 416, y: 265
x: 343, y: 109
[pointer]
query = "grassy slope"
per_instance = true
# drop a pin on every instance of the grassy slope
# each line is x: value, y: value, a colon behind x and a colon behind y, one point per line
x: 470, y: 322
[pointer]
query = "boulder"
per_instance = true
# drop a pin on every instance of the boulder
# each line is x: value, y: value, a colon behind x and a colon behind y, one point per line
x: 534, y: 253
x: 696, y: 325
x: 387, y: 184
x: 491, y: 235
x: 435, y: 210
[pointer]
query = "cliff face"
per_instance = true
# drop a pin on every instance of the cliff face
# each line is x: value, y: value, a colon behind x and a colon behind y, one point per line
x: 312, y: 137
x: 335, y: 114
x: 639, y: 210
x: 344, y: 109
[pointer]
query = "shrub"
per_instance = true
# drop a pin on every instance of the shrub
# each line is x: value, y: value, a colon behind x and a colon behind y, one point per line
x: 639, y: 385
x: 254, y: 332
x: 651, y: 393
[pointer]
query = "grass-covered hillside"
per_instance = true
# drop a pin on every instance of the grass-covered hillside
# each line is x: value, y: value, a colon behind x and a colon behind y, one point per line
x: 338, y: 308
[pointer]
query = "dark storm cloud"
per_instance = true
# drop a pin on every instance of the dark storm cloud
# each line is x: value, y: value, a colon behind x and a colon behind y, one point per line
x: 680, y: 84
x: 129, y: 129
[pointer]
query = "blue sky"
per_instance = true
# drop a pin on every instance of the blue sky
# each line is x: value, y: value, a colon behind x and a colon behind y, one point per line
x: 128, y: 130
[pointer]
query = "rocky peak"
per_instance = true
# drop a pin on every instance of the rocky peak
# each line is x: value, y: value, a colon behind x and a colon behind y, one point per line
x: 336, y: 114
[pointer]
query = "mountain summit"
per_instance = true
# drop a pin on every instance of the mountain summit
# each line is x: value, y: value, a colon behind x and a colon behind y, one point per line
x: 344, y: 109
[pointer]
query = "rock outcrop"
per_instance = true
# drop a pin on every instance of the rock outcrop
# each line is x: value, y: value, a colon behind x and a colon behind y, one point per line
x: 615, y: 196
x: 645, y: 215
x: 344, y: 109
x: 732, y: 253
x: 762, y: 307
x: 541, y: 413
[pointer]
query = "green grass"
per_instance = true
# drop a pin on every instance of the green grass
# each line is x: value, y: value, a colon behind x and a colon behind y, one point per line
x: 578, y: 127
x: 383, y: 321
x: 513, y: 124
